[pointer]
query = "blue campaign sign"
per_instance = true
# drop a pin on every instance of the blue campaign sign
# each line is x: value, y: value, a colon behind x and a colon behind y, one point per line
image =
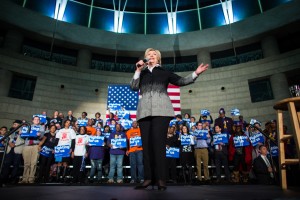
x: 112, y: 127
x: 62, y: 151
x: 241, y: 141
x: 96, y: 141
x: 220, y: 138
x: 135, y: 141
x: 114, y: 107
x: 204, y: 112
x: 82, y: 122
x: 172, y: 122
x: 118, y: 143
x: 201, y: 134
x: 46, y: 151
x: 33, y: 131
x: 172, y: 152
x: 126, y: 123
x: 43, y: 119
x: 106, y: 135
x: 185, y: 140
x: 274, y: 150
x: 257, y: 138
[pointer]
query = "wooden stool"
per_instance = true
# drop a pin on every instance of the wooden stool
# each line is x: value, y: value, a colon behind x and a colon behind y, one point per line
x: 292, y: 105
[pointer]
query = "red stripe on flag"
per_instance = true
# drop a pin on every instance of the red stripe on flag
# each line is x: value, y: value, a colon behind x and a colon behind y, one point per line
x: 176, y: 109
x: 174, y: 93
x: 172, y: 86
x: 175, y: 101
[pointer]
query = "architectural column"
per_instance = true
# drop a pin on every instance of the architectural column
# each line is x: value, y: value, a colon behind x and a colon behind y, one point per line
x: 5, y: 81
x: 269, y: 46
x: 13, y: 41
x: 84, y: 58
x: 280, y: 86
x: 203, y: 56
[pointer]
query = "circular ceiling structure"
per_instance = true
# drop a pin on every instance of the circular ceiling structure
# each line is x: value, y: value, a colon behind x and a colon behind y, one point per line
x: 150, y: 16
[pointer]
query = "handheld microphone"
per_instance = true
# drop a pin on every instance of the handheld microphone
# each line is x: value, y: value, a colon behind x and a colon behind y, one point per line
x: 144, y: 60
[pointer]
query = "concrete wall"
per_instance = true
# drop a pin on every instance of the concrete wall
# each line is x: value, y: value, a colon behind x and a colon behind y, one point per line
x: 79, y: 95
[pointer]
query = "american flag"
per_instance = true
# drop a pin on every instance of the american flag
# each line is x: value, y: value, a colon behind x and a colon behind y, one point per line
x: 124, y: 96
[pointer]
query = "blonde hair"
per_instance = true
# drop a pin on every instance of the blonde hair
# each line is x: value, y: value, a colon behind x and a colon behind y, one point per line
x: 157, y: 53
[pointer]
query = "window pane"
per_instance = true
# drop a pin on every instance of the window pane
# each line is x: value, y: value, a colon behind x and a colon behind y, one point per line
x: 102, y: 19
x: 184, y: 17
x: 260, y: 90
x: 158, y: 25
x: 133, y: 23
x: 22, y: 87
x: 46, y: 7
x: 77, y: 13
x: 212, y: 16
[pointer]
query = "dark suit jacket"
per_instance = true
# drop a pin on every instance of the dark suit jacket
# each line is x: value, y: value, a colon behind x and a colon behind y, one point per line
x: 229, y: 123
x: 261, y: 171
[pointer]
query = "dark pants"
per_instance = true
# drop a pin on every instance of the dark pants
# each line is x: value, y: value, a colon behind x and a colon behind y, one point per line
x: 221, y: 159
x: 239, y: 159
x: 154, y: 137
x: 44, y: 167
x: 78, y: 171
x: 171, y: 169
x: 11, y: 159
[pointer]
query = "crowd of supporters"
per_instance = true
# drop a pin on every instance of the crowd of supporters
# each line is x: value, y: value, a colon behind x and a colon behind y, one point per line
x: 87, y: 150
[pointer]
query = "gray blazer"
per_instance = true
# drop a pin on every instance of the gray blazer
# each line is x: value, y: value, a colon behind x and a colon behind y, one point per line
x: 153, y: 89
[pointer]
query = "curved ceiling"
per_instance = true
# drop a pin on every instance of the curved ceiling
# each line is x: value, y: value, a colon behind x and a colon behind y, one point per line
x: 150, y: 16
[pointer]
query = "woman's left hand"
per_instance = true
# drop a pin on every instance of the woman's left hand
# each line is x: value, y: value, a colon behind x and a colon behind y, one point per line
x: 201, y: 68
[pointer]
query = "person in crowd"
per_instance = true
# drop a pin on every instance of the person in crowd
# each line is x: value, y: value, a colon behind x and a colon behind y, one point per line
x: 61, y: 116
x: 98, y: 119
x: 83, y: 116
x: 106, y: 133
x: 172, y: 141
x: 201, y: 152
x: 187, y: 159
x: 179, y: 123
x: 111, y: 117
x: 135, y: 152
x: 203, y: 119
x: 242, y: 122
x: 221, y: 154
x: 56, y: 119
x: 225, y: 123
x: 46, y: 149
x: 155, y: 111
x: 90, y: 129
x: 116, y: 155
x: 13, y: 156
x: 241, y: 157
x: 187, y: 119
x: 48, y: 119
x: 31, y: 151
x: 272, y: 144
x: 192, y: 122
x: 3, y: 131
x: 79, y: 154
x: 64, y: 137
x: 70, y: 117
x: 252, y: 131
x: 263, y: 168
x: 96, y: 155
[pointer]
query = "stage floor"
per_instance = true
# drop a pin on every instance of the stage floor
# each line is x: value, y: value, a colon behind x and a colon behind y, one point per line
x: 126, y: 191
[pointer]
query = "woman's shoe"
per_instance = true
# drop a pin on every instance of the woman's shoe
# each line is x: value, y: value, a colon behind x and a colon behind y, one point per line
x: 145, y: 184
x: 161, y: 185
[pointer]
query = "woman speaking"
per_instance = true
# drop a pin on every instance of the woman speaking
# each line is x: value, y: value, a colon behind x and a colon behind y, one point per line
x: 155, y: 111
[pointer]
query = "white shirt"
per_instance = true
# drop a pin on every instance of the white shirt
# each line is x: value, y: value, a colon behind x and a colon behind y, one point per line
x: 65, y: 136
x: 80, y: 145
